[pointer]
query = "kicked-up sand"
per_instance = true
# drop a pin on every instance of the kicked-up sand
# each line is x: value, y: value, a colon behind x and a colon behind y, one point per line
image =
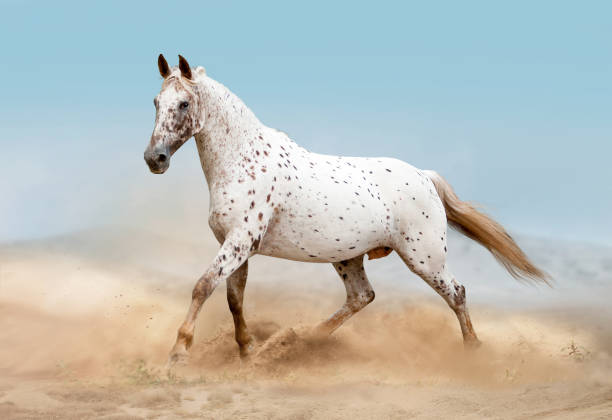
x: 87, y: 320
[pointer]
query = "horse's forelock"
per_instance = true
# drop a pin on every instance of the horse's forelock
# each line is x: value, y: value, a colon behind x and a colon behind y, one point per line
x: 175, y: 76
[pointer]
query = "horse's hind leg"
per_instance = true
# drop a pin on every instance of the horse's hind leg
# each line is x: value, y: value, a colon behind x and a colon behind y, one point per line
x: 453, y: 293
x: 358, y: 293
x: 235, y: 294
x: 442, y: 281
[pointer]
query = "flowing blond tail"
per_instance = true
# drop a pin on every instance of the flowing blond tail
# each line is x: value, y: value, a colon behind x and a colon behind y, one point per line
x: 463, y: 217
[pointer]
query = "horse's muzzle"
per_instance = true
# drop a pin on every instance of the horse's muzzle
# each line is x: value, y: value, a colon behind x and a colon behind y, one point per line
x: 158, y: 160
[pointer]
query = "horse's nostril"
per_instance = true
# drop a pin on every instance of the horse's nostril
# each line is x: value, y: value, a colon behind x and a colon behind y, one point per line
x: 161, y: 157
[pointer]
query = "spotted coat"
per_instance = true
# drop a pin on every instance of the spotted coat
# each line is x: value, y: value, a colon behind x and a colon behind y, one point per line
x: 270, y: 196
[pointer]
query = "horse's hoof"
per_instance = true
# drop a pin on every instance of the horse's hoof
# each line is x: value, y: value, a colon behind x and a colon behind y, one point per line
x: 177, y: 358
x: 245, y: 351
x: 472, y: 343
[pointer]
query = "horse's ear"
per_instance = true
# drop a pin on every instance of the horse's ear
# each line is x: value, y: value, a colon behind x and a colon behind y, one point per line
x: 184, y: 66
x: 162, y: 64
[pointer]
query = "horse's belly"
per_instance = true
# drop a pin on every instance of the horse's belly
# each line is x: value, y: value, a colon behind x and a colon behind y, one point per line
x: 319, y: 253
x: 326, y: 241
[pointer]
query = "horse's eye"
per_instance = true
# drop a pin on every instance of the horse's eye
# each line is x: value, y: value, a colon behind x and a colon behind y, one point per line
x: 184, y: 105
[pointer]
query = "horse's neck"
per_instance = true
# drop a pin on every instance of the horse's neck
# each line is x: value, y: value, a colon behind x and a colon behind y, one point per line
x: 228, y: 129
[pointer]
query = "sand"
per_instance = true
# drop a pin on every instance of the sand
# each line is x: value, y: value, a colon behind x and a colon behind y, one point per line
x: 87, y: 320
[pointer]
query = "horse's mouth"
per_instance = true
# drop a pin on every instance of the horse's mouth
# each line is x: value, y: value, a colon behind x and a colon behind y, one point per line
x: 159, y: 170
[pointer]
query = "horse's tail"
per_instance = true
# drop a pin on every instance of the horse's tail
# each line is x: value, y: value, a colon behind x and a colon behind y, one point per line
x: 463, y: 217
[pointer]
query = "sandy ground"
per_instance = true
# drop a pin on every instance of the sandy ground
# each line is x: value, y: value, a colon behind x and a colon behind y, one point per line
x: 86, y: 322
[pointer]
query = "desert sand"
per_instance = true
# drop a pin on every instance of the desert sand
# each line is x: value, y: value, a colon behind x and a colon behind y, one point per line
x: 87, y: 320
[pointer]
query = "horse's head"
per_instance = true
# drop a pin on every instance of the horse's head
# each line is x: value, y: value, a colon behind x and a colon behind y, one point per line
x: 178, y: 113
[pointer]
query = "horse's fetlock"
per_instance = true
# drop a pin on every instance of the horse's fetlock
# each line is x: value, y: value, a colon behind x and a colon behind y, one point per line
x: 243, y: 338
x: 185, y: 336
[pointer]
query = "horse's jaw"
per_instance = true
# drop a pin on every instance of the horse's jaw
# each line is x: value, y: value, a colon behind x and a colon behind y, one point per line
x: 158, y: 171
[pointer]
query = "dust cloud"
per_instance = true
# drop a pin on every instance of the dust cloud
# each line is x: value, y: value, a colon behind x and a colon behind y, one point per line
x: 87, y: 320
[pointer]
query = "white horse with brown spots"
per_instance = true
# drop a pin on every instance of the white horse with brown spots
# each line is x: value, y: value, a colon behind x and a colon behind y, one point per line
x: 270, y: 196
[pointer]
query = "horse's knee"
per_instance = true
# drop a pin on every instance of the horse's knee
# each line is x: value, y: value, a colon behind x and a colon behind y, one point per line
x: 202, y: 289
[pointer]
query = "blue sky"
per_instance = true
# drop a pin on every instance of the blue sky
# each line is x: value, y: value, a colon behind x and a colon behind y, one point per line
x: 511, y: 102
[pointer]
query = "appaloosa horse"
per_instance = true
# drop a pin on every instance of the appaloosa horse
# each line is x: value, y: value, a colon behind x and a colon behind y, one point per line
x: 270, y: 196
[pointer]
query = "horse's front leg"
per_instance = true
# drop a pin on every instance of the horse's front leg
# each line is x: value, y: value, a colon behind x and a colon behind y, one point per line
x: 234, y: 252
x: 235, y: 294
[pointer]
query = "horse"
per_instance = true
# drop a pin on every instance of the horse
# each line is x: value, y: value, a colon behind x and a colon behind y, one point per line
x: 269, y: 196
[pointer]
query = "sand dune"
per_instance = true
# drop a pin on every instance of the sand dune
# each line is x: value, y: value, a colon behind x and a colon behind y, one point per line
x: 86, y: 321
